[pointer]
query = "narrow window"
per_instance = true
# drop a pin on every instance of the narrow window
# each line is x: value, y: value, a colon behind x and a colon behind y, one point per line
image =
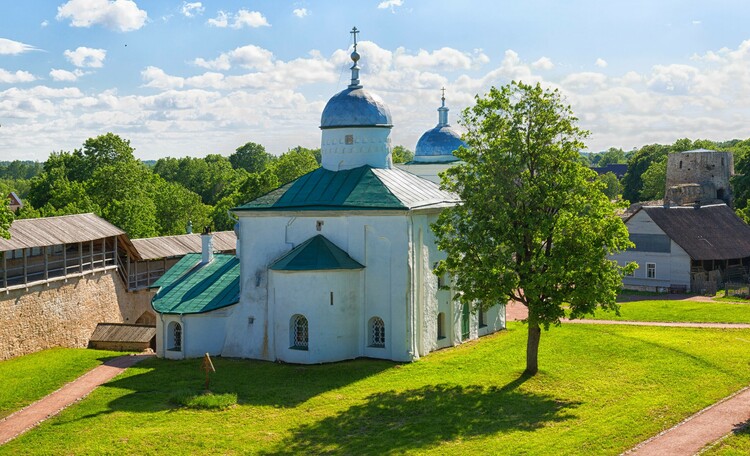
x: 377, y: 332
x: 680, y: 164
x: 651, y: 270
x: 441, y: 326
x: 175, y: 339
x: 482, y: 318
x: 299, y: 333
x: 349, y: 139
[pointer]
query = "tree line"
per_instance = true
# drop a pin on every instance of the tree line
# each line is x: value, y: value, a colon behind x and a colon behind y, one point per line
x: 105, y: 177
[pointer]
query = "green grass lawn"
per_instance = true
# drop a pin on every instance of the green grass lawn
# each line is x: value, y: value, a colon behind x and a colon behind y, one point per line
x: 680, y: 310
x: 28, y: 378
x: 601, y: 390
x: 737, y: 444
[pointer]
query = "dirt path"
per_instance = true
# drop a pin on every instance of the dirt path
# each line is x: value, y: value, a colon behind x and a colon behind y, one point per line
x: 699, y: 430
x: 29, y: 417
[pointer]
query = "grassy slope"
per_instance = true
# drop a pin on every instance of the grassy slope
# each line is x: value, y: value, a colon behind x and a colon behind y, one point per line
x: 680, y: 310
x: 28, y: 378
x: 602, y: 389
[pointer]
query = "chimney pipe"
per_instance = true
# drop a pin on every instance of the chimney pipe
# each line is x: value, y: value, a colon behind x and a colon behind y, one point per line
x: 207, y: 244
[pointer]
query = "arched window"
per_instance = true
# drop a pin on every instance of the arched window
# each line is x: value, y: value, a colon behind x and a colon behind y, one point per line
x: 441, y: 325
x: 175, y: 336
x: 377, y: 332
x: 298, y: 332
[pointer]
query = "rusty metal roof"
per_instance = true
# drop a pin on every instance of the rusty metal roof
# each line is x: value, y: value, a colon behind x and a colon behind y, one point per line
x: 64, y: 229
x: 119, y: 332
x: 180, y: 245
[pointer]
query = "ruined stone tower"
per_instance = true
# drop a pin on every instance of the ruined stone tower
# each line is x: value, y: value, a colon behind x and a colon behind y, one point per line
x: 699, y: 176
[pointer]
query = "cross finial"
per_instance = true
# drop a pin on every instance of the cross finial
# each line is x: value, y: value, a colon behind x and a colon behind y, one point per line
x: 443, y: 90
x: 354, y: 33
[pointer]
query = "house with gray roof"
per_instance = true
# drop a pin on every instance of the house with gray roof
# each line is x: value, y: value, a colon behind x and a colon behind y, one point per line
x: 685, y: 248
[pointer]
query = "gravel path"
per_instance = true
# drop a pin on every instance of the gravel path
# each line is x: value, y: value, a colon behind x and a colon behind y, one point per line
x: 31, y: 416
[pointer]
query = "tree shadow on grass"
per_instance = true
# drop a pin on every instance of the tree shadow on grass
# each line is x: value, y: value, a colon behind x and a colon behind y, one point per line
x: 152, y: 382
x: 397, y: 421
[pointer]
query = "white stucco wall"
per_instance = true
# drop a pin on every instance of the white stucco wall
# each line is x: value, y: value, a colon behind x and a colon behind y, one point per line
x: 429, y: 171
x: 201, y: 333
x: 370, y: 146
x: 333, y: 324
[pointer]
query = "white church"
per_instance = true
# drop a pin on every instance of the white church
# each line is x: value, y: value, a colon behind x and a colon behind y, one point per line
x: 335, y: 265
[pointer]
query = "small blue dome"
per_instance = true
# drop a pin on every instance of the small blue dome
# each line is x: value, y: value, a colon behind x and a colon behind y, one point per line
x: 440, y: 141
x: 353, y: 107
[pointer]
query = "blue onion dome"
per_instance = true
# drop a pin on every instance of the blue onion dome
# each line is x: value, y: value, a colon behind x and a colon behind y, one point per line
x: 353, y: 106
x: 438, y: 144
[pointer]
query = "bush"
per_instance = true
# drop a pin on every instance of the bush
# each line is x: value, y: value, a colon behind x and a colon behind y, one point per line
x: 204, y: 401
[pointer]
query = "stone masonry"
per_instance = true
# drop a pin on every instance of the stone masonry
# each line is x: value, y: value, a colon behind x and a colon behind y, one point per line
x: 699, y: 176
x: 61, y: 314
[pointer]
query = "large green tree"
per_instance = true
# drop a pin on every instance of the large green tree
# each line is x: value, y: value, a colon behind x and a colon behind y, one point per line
x: 534, y: 224
x: 251, y: 157
x: 638, y: 163
x: 654, y: 180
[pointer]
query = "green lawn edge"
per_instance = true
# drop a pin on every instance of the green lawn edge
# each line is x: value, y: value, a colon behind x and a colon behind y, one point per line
x: 602, y: 389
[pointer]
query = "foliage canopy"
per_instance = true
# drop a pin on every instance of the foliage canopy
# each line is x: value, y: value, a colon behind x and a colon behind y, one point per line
x: 534, y: 225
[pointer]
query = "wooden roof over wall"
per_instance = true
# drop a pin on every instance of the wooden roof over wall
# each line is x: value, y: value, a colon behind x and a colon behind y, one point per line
x: 119, y: 332
x: 64, y: 229
x: 181, y: 245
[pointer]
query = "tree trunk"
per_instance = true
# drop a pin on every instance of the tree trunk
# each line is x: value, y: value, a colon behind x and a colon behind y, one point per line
x: 532, y: 349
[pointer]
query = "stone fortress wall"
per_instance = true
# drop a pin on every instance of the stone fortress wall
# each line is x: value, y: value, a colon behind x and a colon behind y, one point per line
x: 65, y: 313
x: 699, y: 176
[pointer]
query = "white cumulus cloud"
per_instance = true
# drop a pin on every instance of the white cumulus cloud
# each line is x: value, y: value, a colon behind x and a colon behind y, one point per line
x: 544, y: 63
x: 192, y: 9
x: 120, y: 15
x: 300, y: 12
x: 10, y: 47
x: 392, y: 4
x: 249, y: 56
x: 242, y: 18
x: 601, y: 63
x: 65, y: 75
x: 86, y: 57
x: 8, y: 77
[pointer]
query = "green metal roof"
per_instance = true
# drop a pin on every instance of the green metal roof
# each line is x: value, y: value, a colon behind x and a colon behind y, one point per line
x: 190, y: 287
x: 353, y: 189
x: 315, y: 254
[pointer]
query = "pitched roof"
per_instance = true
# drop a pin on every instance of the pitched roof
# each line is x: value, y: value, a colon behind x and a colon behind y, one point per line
x: 708, y: 233
x: 64, y: 229
x: 182, y: 244
x: 190, y: 287
x: 360, y: 188
x: 315, y: 254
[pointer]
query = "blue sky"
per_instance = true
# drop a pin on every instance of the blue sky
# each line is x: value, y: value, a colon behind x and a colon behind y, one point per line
x: 190, y: 78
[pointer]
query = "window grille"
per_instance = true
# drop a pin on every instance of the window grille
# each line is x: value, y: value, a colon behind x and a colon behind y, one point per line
x: 377, y: 332
x: 299, y: 332
x: 177, y: 337
x: 651, y: 270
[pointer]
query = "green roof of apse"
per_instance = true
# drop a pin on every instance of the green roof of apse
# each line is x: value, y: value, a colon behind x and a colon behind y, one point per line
x: 353, y: 189
x: 190, y: 287
x: 315, y: 254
